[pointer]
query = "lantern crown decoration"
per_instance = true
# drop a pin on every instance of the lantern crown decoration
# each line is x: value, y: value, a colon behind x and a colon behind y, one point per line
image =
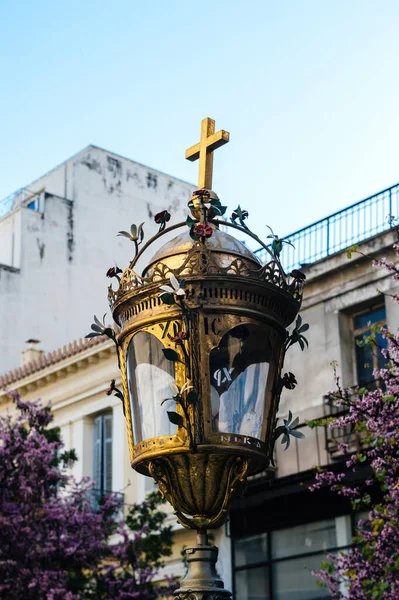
x: 203, y: 334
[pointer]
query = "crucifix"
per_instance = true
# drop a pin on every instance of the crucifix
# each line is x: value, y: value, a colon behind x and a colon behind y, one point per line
x: 204, y: 151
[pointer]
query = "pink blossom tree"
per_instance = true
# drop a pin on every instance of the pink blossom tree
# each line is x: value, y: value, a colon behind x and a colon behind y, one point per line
x: 53, y: 544
x: 370, y: 569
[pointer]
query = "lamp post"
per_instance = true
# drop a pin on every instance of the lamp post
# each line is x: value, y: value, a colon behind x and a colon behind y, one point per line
x: 201, y: 348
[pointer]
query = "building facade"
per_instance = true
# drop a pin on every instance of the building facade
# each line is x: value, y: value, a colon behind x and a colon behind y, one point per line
x: 278, y: 531
x: 57, y: 240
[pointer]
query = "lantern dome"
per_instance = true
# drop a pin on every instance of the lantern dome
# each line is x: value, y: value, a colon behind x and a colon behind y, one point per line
x: 223, y: 246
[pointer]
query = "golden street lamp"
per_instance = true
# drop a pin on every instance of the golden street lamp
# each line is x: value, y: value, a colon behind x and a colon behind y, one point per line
x: 201, y: 348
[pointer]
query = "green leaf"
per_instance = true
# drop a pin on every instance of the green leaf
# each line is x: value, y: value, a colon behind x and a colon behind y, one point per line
x: 92, y: 335
x: 167, y: 298
x: 279, y: 431
x: 190, y: 222
x: 175, y: 418
x: 297, y: 434
x: 351, y: 249
x: 304, y: 327
x: 192, y: 397
x: 109, y: 333
x: 216, y: 210
x: 97, y: 322
x: 97, y: 328
x: 171, y: 354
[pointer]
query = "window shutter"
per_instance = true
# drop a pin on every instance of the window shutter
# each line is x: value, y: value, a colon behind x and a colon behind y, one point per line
x: 97, y: 450
x: 107, y: 453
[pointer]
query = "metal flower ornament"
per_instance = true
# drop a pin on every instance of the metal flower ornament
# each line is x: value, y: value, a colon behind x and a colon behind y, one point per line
x: 136, y: 235
x: 174, y: 291
x: 161, y: 219
x: 277, y: 244
x: 288, y: 430
x: 241, y: 215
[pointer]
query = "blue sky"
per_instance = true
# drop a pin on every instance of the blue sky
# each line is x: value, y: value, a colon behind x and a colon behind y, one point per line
x: 308, y: 90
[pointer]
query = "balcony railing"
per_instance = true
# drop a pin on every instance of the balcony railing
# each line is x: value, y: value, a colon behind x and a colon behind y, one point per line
x: 21, y: 197
x: 340, y: 230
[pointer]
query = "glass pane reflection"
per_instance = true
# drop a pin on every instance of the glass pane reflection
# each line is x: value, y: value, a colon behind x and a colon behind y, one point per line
x: 239, y: 370
x: 293, y: 579
x: 310, y: 537
x: 252, y: 584
x: 150, y: 375
x: 250, y: 550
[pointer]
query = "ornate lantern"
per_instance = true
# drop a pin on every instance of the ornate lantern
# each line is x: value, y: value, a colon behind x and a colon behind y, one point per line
x: 201, y: 348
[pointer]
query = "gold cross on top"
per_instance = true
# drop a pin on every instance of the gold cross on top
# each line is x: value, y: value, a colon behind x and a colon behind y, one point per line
x: 204, y: 151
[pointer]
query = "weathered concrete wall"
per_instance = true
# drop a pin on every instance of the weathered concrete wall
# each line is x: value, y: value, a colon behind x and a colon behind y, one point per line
x: 66, y: 250
x: 10, y: 240
x: 336, y: 289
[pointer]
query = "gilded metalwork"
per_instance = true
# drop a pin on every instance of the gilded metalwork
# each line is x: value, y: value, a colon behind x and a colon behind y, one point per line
x: 225, y: 287
x: 203, y: 151
x: 187, y: 482
x: 204, y: 307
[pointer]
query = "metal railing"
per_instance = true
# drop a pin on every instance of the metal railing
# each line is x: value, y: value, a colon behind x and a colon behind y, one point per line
x: 340, y: 230
x: 17, y: 199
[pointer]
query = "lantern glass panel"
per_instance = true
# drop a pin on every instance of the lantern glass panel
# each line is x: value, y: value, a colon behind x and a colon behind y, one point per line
x: 239, y: 370
x: 150, y: 375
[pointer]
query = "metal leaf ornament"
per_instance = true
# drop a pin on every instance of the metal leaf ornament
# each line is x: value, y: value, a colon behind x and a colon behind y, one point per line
x: 297, y: 334
x: 287, y: 430
x: 216, y: 209
x: 183, y: 397
x: 99, y: 329
x: 277, y: 244
x: 241, y: 215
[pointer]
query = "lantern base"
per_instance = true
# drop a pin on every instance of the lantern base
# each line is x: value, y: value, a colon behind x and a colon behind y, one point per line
x: 200, y: 486
x: 202, y: 581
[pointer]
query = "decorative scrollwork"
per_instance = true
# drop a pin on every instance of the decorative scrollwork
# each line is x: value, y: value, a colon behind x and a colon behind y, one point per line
x: 201, y: 260
x: 177, y: 490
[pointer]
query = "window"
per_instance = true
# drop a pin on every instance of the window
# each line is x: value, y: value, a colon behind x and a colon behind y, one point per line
x: 34, y: 201
x: 102, y: 456
x: 368, y: 356
x: 278, y: 565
